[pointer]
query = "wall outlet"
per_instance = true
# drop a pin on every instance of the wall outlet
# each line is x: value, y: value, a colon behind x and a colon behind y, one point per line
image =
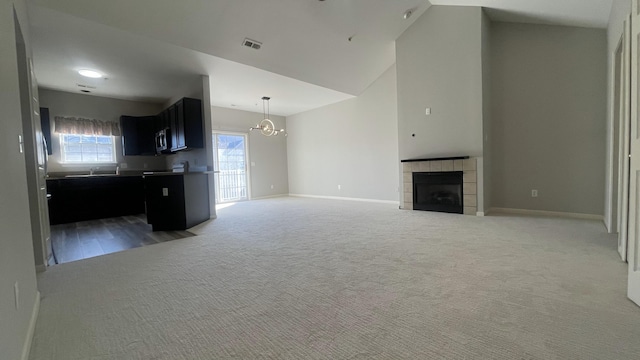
x: 165, y: 191
x: 123, y: 165
x: 16, y: 293
x: 339, y: 187
x: 271, y: 187
x: 427, y: 111
x: 534, y: 193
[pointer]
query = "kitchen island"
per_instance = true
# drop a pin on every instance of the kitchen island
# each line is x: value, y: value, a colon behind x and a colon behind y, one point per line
x: 176, y: 201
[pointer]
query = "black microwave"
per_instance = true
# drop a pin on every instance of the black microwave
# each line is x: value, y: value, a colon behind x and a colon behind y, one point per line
x: 163, y: 141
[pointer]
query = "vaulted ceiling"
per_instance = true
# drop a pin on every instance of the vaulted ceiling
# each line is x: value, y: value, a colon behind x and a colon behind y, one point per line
x: 313, y: 52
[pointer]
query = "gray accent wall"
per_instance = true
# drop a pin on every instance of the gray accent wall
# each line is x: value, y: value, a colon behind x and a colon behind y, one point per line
x: 439, y: 62
x: 62, y: 103
x: 353, y: 143
x: 548, y: 119
x: 17, y: 264
x: 268, y: 154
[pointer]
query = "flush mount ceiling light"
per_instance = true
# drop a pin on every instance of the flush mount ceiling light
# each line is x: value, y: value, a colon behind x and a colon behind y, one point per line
x: 266, y: 126
x: 90, y: 73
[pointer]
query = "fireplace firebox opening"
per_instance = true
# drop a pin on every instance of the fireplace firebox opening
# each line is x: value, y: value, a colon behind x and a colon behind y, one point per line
x: 438, y: 191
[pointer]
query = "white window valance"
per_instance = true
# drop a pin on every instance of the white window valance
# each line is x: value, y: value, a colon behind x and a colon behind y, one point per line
x: 82, y: 126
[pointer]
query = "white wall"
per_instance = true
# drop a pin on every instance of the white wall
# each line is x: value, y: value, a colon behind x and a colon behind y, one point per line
x: 486, y: 117
x: 269, y: 154
x: 619, y: 13
x: 439, y: 61
x: 548, y: 117
x: 16, y: 248
x: 95, y: 107
x: 353, y: 143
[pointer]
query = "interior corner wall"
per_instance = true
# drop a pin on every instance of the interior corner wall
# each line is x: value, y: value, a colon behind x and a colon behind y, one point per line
x: 548, y: 88
x: 486, y: 115
x: 620, y: 10
x: 267, y: 155
x: 17, y: 264
x: 439, y: 61
x: 61, y: 103
x: 352, y: 143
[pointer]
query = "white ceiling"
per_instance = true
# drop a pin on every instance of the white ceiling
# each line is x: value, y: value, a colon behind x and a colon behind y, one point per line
x: 151, y: 49
x: 139, y: 68
x: 306, y: 61
x: 582, y: 13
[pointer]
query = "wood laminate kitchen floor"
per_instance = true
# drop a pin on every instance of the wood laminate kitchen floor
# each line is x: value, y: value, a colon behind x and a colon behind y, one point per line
x: 82, y: 240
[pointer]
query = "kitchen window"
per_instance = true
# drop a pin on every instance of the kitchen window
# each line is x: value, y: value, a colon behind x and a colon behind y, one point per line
x: 87, y: 149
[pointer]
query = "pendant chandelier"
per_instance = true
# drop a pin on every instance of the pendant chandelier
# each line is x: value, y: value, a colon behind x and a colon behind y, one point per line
x: 266, y: 126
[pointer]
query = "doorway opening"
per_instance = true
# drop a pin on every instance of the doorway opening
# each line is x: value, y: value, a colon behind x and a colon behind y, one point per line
x: 230, y: 161
x: 621, y: 132
x: 34, y: 147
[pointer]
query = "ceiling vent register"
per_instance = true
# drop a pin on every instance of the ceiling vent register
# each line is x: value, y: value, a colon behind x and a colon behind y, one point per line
x: 252, y: 44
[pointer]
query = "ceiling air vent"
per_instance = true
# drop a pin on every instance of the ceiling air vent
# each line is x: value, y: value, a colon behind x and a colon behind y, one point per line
x: 252, y: 44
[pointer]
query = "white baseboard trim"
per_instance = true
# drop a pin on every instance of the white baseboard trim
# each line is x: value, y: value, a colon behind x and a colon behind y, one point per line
x: 269, y: 196
x: 545, y: 213
x: 26, y: 348
x: 389, y: 202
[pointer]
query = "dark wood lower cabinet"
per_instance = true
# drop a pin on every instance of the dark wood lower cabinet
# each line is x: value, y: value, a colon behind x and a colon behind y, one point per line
x: 177, y: 201
x: 80, y: 199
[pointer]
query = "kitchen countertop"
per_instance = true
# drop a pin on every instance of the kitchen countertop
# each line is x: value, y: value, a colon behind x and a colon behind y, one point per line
x: 60, y: 176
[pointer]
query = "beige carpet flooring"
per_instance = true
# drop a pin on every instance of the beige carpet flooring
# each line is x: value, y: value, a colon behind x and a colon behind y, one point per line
x: 293, y: 278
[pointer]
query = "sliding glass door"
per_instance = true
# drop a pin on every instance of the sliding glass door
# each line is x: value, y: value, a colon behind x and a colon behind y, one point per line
x: 230, y: 159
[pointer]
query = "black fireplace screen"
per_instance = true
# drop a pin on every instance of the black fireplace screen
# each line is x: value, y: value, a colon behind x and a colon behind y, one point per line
x: 438, y: 191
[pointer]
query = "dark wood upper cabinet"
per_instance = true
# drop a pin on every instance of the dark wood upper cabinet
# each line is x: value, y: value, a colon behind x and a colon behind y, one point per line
x: 138, y: 135
x: 185, y: 117
x: 45, y: 121
x: 163, y: 124
x: 178, y: 126
x: 171, y: 118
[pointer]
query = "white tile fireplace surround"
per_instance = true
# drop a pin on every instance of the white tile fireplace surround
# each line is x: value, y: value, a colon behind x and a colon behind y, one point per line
x: 467, y: 166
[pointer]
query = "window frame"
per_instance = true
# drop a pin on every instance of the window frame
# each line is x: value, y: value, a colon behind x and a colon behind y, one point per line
x: 63, y: 155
